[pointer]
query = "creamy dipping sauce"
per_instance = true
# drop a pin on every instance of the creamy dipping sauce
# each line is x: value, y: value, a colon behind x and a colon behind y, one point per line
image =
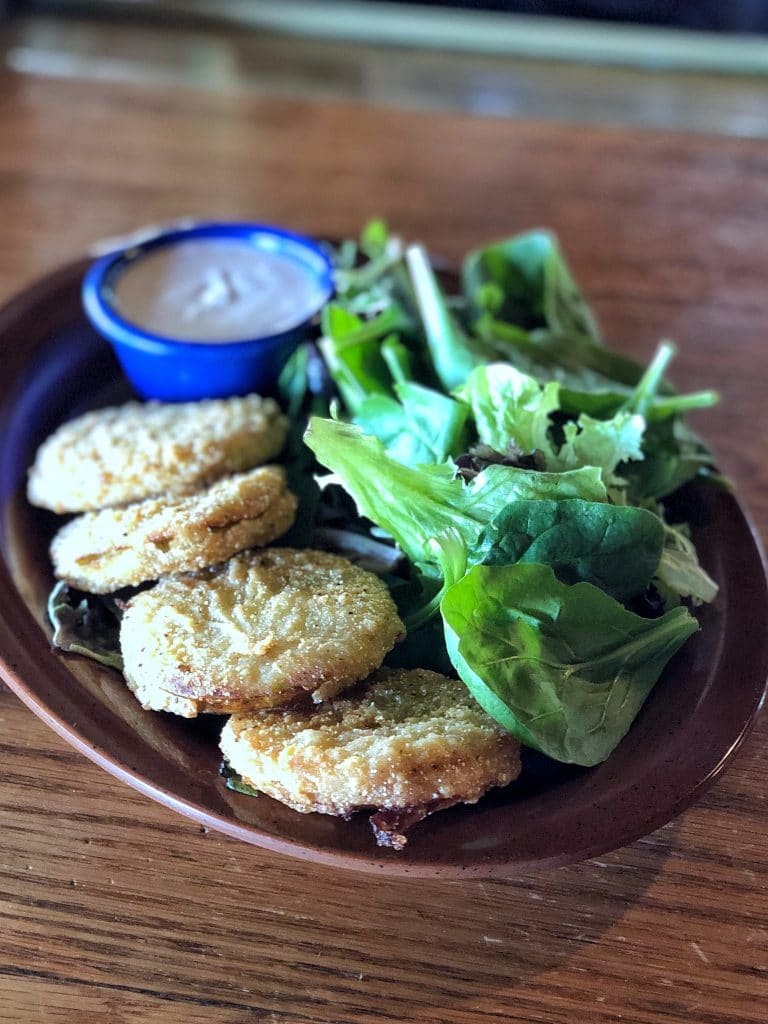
x: 216, y: 290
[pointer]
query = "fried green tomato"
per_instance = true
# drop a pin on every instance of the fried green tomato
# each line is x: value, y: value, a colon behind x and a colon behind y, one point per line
x: 261, y: 630
x: 404, y: 743
x: 139, y: 450
x: 120, y: 547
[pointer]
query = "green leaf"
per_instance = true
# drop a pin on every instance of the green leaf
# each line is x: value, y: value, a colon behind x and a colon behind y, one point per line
x: 452, y: 352
x: 672, y: 455
x: 511, y: 407
x: 616, y: 548
x: 234, y: 781
x: 372, y: 278
x: 679, y: 569
x: 85, y: 624
x: 538, y: 289
x: 414, y: 506
x: 566, y: 669
x: 602, y: 443
x: 293, y: 382
x: 423, y: 427
x: 351, y: 348
x: 577, y: 361
x: 374, y: 238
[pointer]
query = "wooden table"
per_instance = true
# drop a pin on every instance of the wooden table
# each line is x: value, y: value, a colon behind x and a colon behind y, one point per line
x: 115, y: 909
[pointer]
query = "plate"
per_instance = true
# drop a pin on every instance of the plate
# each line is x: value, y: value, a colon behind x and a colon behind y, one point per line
x: 54, y: 367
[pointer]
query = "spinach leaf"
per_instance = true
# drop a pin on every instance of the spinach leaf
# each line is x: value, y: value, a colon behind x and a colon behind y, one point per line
x: 564, y: 668
x: 672, y: 455
x: 85, y: 624
x: 536, y: 287
x: 614, y: 547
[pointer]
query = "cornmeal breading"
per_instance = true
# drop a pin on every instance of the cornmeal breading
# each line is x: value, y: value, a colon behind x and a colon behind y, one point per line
x: 103, y: 551
x: 257, y: 631
x: 130, y: 452
x: 401, y: 740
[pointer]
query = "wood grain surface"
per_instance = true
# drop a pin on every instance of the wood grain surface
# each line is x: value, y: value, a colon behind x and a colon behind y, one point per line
x: 114, y: 909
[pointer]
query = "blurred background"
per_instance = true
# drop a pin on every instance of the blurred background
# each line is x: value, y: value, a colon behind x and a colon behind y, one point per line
x: 694, y: 65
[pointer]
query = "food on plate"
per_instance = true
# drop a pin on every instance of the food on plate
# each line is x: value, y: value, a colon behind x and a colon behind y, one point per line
x: 263, y: 629
x: 507, y: 485
x: 130, y: 452
x: 402, y: 744
x: 101, y: 552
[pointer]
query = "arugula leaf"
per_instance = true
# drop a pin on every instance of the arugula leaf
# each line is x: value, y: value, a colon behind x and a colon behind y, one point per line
x: 371, y: 280
x: 566, y: 669
x: 85, y: 624
x: 351, y: 349
x: 616, y: 548
x: 415, y: 506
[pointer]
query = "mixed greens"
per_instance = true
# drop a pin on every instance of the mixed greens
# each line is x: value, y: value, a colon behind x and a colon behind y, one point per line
x: 519, y: 465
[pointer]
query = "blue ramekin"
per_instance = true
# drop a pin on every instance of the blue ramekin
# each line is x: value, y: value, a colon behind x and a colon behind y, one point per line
x: 174, y: 371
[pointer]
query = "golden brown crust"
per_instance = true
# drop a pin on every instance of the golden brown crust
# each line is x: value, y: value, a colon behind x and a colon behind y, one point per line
x: 401, y: 739
x: 141, y: 450
x: 103, y: 551
x: 258, y: 631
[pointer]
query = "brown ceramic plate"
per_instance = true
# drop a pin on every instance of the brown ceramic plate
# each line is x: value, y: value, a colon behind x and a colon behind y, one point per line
x: 698, y: 715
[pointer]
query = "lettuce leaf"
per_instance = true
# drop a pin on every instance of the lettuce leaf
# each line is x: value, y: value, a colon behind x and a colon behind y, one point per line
x: 423, y: 426
x: 509, y: 407
x: 603, y: 443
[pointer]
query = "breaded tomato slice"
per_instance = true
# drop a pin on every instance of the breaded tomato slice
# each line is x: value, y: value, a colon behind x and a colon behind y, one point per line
x: 121, y: 547
x: 141, y: 450
x: 403, y: 743
x: 261, y: 630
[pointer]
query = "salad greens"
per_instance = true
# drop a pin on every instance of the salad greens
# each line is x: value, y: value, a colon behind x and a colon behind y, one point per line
x: 565, y: 668
x: 417, y: 506
x: 86, y: 624
x: 520, y: 466
x: 615, y: 547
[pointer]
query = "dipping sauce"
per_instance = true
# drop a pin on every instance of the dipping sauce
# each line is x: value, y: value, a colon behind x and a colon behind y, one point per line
x: 208, y: 309
x: 216, y: 290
